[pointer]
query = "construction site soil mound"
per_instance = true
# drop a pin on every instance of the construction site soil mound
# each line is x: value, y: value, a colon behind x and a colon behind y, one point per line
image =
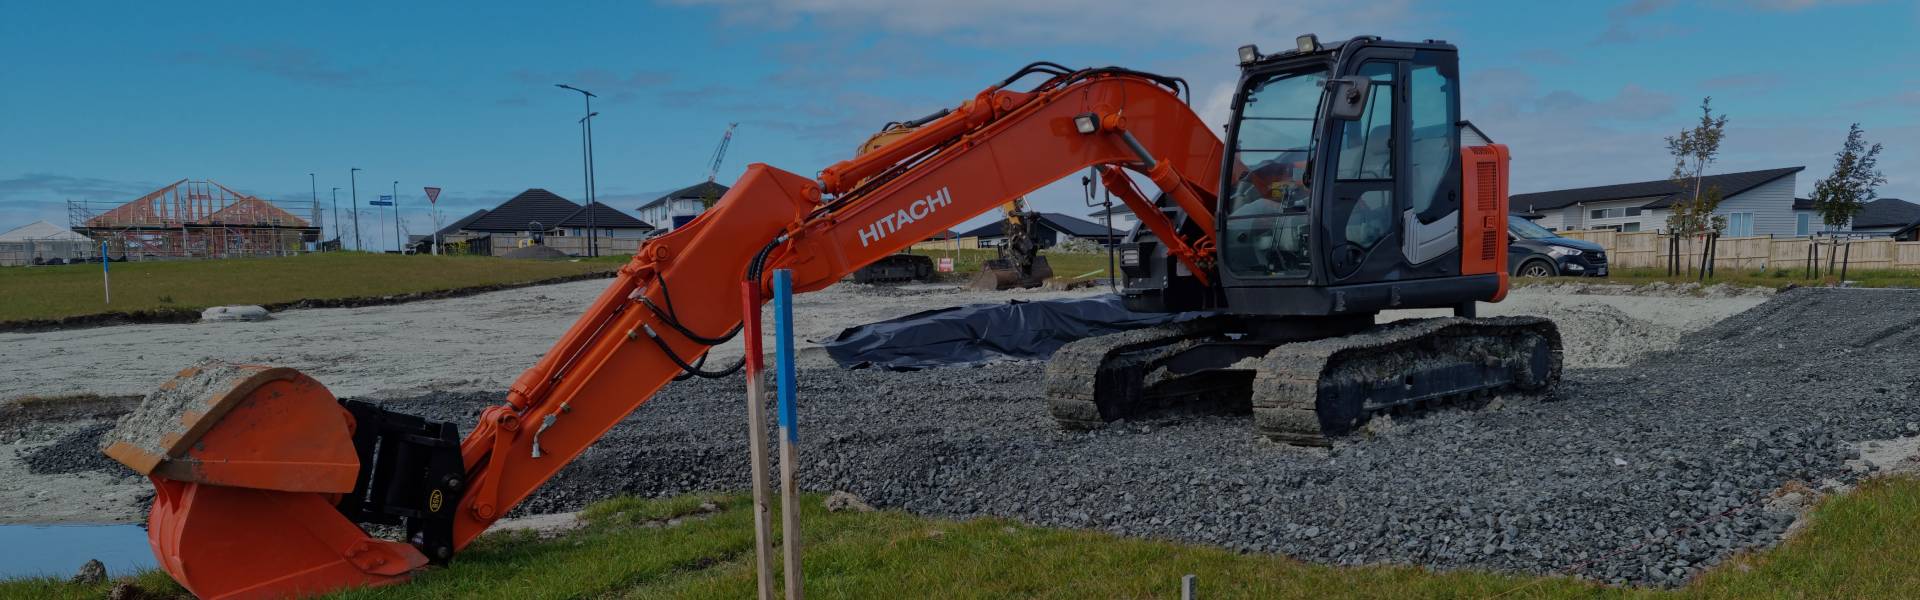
x: 535, y: 252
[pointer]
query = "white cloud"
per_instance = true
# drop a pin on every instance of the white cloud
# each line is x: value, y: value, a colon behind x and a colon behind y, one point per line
x: 1060, y: 21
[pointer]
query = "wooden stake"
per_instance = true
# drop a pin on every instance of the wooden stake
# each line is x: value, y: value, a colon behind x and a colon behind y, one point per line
x: 757, y: 438
x: 784, y: 387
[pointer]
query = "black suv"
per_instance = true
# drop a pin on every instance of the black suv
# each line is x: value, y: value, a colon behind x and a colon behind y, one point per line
x: 1533, y: 251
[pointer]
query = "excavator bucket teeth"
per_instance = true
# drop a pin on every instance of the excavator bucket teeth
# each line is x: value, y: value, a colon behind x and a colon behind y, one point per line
x: 247, y: 463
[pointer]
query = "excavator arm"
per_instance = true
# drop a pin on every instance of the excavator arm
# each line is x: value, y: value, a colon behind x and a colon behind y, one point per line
x: 253, y: 471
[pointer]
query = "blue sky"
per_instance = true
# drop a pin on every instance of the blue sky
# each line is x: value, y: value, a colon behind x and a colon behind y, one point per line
x: 108, y: 101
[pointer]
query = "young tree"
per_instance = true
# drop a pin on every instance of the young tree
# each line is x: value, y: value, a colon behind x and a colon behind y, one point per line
x: 1855, y: 175
x: 1693, y: 151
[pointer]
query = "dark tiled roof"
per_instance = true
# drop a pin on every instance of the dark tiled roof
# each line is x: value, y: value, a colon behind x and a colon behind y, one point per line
x: 989, y: 230
x: 456, y: 226
x: 604, y: 217
x: 1055, y: 221
x: 698, y: 191
x: 532, y: 205
x: 1661, y: 191
x: 944, y: 235
x: 1887, y: 212
x: 1075, y: 226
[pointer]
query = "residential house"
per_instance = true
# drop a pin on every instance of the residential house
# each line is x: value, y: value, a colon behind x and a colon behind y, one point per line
x: 1051, y: 229
x: 678, y: 207
x: 543, y: 212
x: 1888, y: 216
x: 1754, y: 203
x: 1123, y: 217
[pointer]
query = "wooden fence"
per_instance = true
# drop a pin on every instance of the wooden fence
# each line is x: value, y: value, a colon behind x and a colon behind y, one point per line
x: 1627, y: 250
x: 573, y: 246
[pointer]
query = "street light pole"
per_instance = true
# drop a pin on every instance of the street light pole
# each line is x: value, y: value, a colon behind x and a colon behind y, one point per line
x: 354, y: 181
x: 593, y: 234
x: 586, y: 167
x: 399, y: 242
x: 336, y: 214
x: 313, y: 185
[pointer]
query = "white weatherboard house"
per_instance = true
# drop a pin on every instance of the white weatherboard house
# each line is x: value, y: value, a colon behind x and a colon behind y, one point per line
x: 1755, y: 203
x: 677, y: 207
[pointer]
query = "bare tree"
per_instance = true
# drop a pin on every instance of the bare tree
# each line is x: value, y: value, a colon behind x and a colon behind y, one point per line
x: 1693, y: 150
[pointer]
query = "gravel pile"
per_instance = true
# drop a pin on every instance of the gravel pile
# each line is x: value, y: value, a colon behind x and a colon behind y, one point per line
x: 1623, y: 457
x: 75, y: 452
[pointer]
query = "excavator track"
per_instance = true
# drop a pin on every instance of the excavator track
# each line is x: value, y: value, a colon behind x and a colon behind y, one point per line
x: 1094, y: 380
x: 1307, y: 393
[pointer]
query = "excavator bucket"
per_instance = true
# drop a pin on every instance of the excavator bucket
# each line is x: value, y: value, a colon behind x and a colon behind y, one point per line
x: 1002, y: 274
x: 247, y: 463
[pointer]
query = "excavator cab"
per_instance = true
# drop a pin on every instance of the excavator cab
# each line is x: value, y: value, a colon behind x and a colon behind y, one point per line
x: 1340, y: 192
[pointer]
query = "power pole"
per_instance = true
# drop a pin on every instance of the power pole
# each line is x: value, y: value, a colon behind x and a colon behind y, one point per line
x: 313, y: 185
x: 336, y: 213
x: 354, y: 183
x: 399, y: 242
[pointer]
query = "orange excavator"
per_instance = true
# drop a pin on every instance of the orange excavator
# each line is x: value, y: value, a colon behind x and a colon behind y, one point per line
x: 1341, y: 190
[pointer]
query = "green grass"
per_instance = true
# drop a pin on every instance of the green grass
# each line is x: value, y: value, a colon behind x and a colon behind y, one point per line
x: 1066, y: 265
x: 1773, y: 278
x: 75, y: 290
x: 1860, y: 545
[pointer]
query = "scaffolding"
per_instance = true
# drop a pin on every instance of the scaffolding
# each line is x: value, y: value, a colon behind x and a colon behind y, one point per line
x: 197, y: 219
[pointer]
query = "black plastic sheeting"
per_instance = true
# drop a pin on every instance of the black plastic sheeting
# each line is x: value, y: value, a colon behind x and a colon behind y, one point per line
x: 983, y: 333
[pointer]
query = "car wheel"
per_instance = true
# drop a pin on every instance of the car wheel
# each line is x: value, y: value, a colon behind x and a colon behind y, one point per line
x: 1536, y: 268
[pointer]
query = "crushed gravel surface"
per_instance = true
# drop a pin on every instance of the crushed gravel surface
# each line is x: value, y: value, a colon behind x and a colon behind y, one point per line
x: 1650, y: 455
x: 1701, y: 425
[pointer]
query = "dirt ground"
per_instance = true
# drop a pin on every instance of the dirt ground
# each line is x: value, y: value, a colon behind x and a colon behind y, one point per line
x: 483, y: 342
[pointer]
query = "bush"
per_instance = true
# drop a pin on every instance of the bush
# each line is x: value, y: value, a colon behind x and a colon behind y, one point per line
x: 1080, y: 246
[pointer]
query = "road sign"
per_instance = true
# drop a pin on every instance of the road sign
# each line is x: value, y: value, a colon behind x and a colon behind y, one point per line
x: 384, y: 200
x: 946, y: 265
x: 433, y: 194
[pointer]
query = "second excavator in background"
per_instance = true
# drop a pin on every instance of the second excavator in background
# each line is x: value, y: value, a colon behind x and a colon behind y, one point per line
x: 1340, y: 191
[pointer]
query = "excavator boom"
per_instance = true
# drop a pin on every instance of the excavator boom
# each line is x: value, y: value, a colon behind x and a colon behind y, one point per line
x: 252, y: 464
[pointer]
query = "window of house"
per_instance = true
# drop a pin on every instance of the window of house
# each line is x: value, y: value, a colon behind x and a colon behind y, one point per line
x: 1633, y: 212
x: 1803, y: 224
x: 1604, y: 213
x: 1631, y: 227
x: 1740, y: 224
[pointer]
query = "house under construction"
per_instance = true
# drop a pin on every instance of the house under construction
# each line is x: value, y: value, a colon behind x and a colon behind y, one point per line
x: 197, y: 219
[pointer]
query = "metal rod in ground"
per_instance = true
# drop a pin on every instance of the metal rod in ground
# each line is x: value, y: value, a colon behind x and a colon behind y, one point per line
x: 1187, y: 586
x: 784, y: 387
x: 757, y: 437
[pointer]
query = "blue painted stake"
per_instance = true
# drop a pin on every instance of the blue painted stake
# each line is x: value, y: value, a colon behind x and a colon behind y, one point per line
x: 783, y: 353
x: 106, y: 280
x: 785, y: 387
